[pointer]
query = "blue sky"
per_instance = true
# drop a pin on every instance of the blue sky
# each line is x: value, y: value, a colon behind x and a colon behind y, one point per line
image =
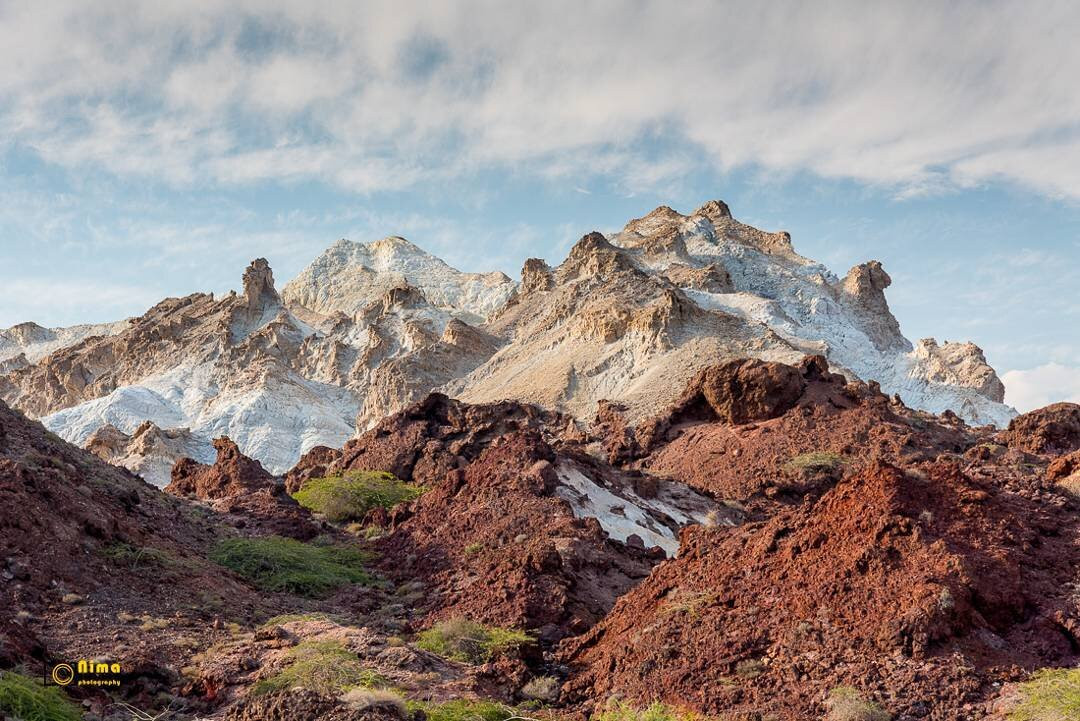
x: 149, y: 151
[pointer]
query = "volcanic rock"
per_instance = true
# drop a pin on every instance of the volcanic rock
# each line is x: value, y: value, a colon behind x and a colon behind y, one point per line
x: 239, y: 485
x: 1054, y: 429
x: 913, y: 585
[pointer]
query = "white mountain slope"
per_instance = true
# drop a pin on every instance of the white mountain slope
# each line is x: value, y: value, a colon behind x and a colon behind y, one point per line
x: 349, y: 276
x: 368, y: 328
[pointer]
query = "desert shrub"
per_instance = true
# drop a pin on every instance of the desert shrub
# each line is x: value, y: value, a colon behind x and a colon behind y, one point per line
x: 290, y: 617
x: 615, y: 710
x: 815, y: 462
x: 28, y: 699
x: 846, y: 704
x: 749, y: 668
x: 129, y: 556
x: 1049, y: 695
x: 464, y: 710
x: 470, y: 642
x: 326, y: 667
x: 542, y: 688
x: 364, y: 699
x: 284, y: 564
x: 351, y: 496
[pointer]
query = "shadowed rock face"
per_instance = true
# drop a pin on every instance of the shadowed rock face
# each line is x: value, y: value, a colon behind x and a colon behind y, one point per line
x: 239, y: 485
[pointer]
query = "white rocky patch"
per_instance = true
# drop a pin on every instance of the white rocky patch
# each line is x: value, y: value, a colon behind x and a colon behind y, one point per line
x: 623, y: 513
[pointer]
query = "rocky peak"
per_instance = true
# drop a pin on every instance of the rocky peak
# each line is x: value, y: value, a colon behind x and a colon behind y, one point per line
x: 863, y: 292
x: 536, y: 275
x: 593, y: 255
x: 714, y: 210
x: 259, y: 292
x: 961, y: 364
x: 656, y: 219
x: 29, y: 332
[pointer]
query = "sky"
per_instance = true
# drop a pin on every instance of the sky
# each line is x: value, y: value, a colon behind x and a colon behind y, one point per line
x: 154, y: 149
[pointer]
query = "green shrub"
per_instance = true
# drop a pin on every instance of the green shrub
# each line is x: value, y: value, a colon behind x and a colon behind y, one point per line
x: 129, y: 556
x: 350, y: 497
x: 1050, y: 695
x: 283, y: 564
x: 326, y: 667
x: 27, y: 699
x: 470, y: 642
x: 846, y: 704
x: 290, y: 617
x: 615, y: 710
x: 461, y: 709
x: 815, y: 462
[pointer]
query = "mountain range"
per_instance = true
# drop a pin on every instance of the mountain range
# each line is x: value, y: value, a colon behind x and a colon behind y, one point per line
x: 368, y: 328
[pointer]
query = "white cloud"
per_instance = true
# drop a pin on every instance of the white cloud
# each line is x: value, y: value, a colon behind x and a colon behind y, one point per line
x: 388, y: 94
x: 1034, y: 388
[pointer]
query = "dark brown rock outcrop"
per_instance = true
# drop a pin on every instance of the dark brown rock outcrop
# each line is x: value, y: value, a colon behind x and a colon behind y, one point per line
x: 239, y: 485
x: 920, y: 588
x: 489, y: 539
x: 1051, y: 430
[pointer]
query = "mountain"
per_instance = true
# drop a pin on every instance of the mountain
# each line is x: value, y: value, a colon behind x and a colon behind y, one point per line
x: 367, y: 329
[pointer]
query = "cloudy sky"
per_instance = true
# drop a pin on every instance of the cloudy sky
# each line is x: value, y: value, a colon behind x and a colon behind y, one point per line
x: 151, y: 149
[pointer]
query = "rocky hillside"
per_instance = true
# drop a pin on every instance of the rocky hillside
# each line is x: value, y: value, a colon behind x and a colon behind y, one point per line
x: 369, y: 328
x: 778, y: 542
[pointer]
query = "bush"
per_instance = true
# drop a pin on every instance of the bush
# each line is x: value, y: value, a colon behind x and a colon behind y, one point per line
x: 362, y: 699
x: 615, y: 710
x: 350, y: 497
x: 1050, y: 695
x: 326, y: 667
x: 542, y: 688
x: 846, y: 704
x: 470, y: 642
x: 815, y: 462
x: 283, y: 564
x: 128, y: 556
x: 27, y: 699
x: 464, y: 710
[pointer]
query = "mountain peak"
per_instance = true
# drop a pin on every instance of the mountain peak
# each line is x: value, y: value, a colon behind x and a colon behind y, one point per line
x: 259, y: 289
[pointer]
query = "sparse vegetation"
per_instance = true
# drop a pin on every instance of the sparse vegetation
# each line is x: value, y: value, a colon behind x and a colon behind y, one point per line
x: 464, y: 710
x: 615, y: 710
x: 27, y: 699
x: 470, y: 642
x: 129, y: 556
x: 284, y: 564
x: 326, y: 667
x: 349, y: 497
x: 689, y: 602
x: 816, y: 462
x: 1050, y: 695
x: 749, y: 669
x: 290, y: 617
x: 847, y: 704
x: 542, y: 688
x: 364, y: 699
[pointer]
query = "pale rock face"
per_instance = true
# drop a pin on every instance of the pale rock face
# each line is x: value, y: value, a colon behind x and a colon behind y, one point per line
x: 633, y: 317
x: 149, y: 451
x: 368, y: 328
x: 34, y: 342
x: 349, y: 276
